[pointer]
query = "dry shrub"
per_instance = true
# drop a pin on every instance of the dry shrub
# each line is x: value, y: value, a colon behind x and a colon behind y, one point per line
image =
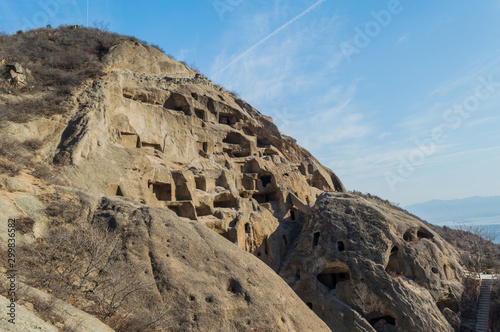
x: 24, y: 224
x: 85, y: 265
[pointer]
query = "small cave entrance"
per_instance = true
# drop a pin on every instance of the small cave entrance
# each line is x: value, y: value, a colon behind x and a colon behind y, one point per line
x: 340, y: 246
x: 262, y: 142
x: 330, y: 277
x: 182, y: 192
x: 234, y: 138
x: 200, y: 114
x: 398, y: 266
x: 222, y: 181
x: 423, y: 233
x: 203, y: 210
x: 201, y: 183
x: 310, y: 168
x: 177, y: 102
x: 266, y: 197
x: 225, y: 201
x: 227, y: 119
x: 292, y: 214
x: 408, y: 236
x: 184, y: 210
x: 162, y: 191
x: 315, y: 239
x: 130, y: 140
x: 302, y: 169
x: 265, y: 179
x: 449, y: 303
x: 378, y: 323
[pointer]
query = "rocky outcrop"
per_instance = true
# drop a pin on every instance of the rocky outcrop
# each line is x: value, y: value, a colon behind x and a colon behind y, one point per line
x: 176, y: 166
x: 184, y: 144
x: 208, y: 283
x: 362, y: 264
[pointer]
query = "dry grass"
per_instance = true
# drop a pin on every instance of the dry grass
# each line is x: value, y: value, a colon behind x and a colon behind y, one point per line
x: 59, y: 61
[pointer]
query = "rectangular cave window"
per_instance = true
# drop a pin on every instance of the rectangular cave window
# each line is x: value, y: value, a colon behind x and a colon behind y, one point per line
x: 225, y: 204
x: 266, y: 197
x: 227, y: 119
x: 130, y: 140
x: 203, y: 210
x: 162, y: 191
x: 201, y: 184
x: 315, y: 240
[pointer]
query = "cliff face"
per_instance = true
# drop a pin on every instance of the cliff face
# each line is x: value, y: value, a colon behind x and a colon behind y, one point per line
x: 177, y: 141
x: 153, y: 151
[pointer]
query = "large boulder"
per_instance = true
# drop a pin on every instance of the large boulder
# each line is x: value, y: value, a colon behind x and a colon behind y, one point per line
x: 208, y: 282
x: 363, y: 264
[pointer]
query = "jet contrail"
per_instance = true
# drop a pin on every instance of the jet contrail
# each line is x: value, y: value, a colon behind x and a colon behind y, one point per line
x: 305, y: 12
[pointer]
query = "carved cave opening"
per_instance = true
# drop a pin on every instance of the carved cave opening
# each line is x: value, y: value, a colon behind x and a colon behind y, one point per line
x: 201, y: 183
x: 315, y: 239
x: 423, y: 233
x: 266, y: 197
x: 449, y: 303
x: 379, y: 322
x: 162, y: 191
x: 265, y: 179
x: 203, y: 210
x: 225, y: 201
x: 330, y: 277
x: 227, y: 119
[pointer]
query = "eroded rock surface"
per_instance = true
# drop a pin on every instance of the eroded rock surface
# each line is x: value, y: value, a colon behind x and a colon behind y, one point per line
x: 185, y: 144
x: 208, y: 283
x: 362, y: 264
x: 166, y: 157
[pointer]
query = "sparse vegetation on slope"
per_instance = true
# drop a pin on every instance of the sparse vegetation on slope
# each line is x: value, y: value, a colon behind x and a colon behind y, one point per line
x: 57, y: 61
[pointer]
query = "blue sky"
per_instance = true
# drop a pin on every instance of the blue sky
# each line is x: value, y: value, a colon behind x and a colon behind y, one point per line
x: 399, y: 98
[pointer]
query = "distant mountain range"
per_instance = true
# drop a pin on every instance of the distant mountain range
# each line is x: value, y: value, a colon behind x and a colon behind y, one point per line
x: 457, y: 209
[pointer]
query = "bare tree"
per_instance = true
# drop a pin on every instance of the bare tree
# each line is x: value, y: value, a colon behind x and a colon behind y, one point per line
x: 477, y: 241
x: 84, y: 261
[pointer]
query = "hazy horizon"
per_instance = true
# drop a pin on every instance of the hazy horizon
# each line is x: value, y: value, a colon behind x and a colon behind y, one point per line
x: 399, y: 98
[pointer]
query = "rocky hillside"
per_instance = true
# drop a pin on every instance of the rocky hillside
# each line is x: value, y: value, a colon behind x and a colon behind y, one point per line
x: 151, y: 198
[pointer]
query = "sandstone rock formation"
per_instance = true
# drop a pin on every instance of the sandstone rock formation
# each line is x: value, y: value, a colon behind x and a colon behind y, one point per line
x: 183, y: 143
x: 362, y: 264
x: 210, y: 284
x: 172, y: 164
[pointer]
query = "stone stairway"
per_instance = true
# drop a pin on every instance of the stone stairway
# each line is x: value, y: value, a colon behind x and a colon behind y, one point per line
x: 483, y: 312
